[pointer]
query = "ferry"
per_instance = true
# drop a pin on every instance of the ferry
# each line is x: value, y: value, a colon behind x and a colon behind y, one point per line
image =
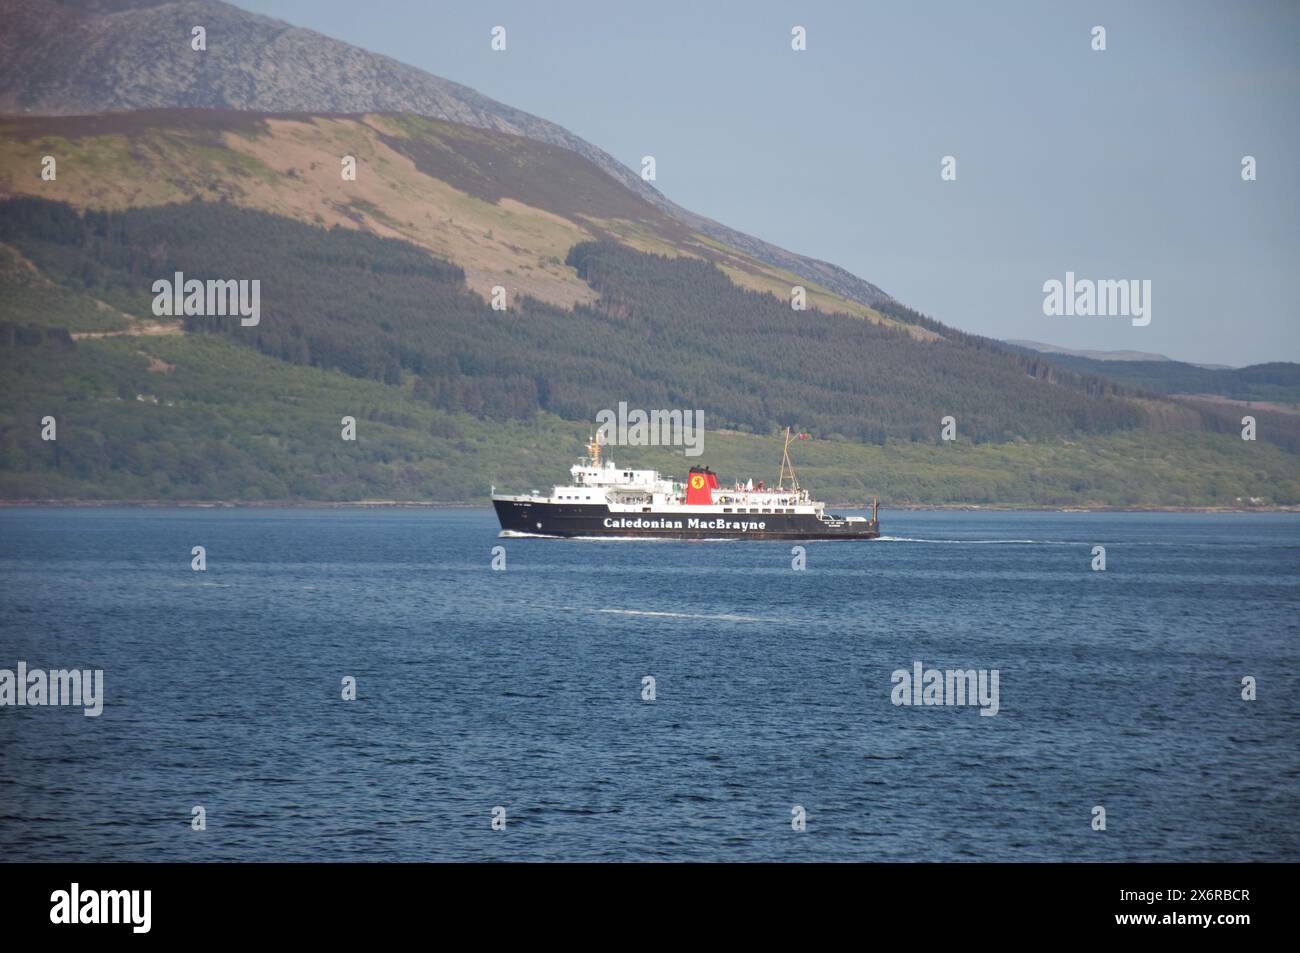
x: 605, y: 500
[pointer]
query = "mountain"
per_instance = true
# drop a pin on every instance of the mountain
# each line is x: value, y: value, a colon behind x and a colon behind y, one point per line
x: 1277, y: 382
x: 375, y: 304
x: 504, y: 207
x: 1042, y: 348
x: 64, y: 57
x: 1104, y: 355
x: 660, y: 331
x: 450, y: 396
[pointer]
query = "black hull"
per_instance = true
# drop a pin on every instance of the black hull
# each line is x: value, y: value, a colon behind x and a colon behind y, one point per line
x: 596, y: 520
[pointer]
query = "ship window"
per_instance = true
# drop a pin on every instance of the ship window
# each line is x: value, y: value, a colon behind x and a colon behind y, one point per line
x: 645, y: 509
x: 767, y: 511
x: 726, y: 509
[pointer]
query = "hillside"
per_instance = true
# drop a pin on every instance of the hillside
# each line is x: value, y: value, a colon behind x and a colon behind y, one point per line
x: 68, y: 57
x: 452, y: 396
x: 662, y: 332
x: 1100, y: 355
x: 1277, y: 382
x: 504, y: 208
x: 197, y: 417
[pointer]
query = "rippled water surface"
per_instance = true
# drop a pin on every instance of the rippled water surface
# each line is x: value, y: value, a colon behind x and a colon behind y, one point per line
x: 522, y: 689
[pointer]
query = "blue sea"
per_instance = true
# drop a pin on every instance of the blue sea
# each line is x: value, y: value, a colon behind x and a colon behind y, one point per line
x: 522, y: 689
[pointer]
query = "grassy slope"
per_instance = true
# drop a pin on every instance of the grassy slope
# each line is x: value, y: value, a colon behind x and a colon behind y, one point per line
x: 41, y: 302
x: 505, y: 208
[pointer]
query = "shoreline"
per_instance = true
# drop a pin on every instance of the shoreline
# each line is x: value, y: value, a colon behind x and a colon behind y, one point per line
x: 440, y: 504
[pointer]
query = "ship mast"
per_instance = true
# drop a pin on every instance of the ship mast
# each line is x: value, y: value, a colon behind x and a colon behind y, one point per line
x: 786, y: 464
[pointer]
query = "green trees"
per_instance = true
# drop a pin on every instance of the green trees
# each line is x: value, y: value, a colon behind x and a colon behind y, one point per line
x: 665, y: 333
x: 374, y: 327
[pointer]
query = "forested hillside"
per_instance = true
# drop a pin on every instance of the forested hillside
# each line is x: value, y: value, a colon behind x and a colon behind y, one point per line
x: 196, y: 417
x: 452, y: 395
x: 664, y: 332
x: 1277, y: 381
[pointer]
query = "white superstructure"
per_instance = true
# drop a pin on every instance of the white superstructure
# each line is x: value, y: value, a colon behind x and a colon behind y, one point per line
x: 622, y: 489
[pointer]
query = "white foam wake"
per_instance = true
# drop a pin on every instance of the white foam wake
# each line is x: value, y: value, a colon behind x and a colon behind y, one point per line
x: 517, y: 534
x: 720, y: 617
x: 980, y: 542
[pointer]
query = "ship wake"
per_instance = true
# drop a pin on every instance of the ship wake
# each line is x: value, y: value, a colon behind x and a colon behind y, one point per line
x: 979, y: 542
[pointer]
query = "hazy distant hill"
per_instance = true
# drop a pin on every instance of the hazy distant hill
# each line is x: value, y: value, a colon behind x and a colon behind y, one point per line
x: 1101, y: 355
x: 65, y: 57
x: 1277, y: 381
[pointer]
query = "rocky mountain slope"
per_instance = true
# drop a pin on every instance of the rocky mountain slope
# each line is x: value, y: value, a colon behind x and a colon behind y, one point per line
x: 505, y: 208
x: 64, y: 57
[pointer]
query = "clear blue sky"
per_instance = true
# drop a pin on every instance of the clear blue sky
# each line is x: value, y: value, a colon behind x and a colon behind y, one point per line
x: 1120, y: 164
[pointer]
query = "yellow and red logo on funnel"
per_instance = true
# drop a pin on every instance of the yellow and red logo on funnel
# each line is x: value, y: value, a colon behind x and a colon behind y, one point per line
x: 698, y: 489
